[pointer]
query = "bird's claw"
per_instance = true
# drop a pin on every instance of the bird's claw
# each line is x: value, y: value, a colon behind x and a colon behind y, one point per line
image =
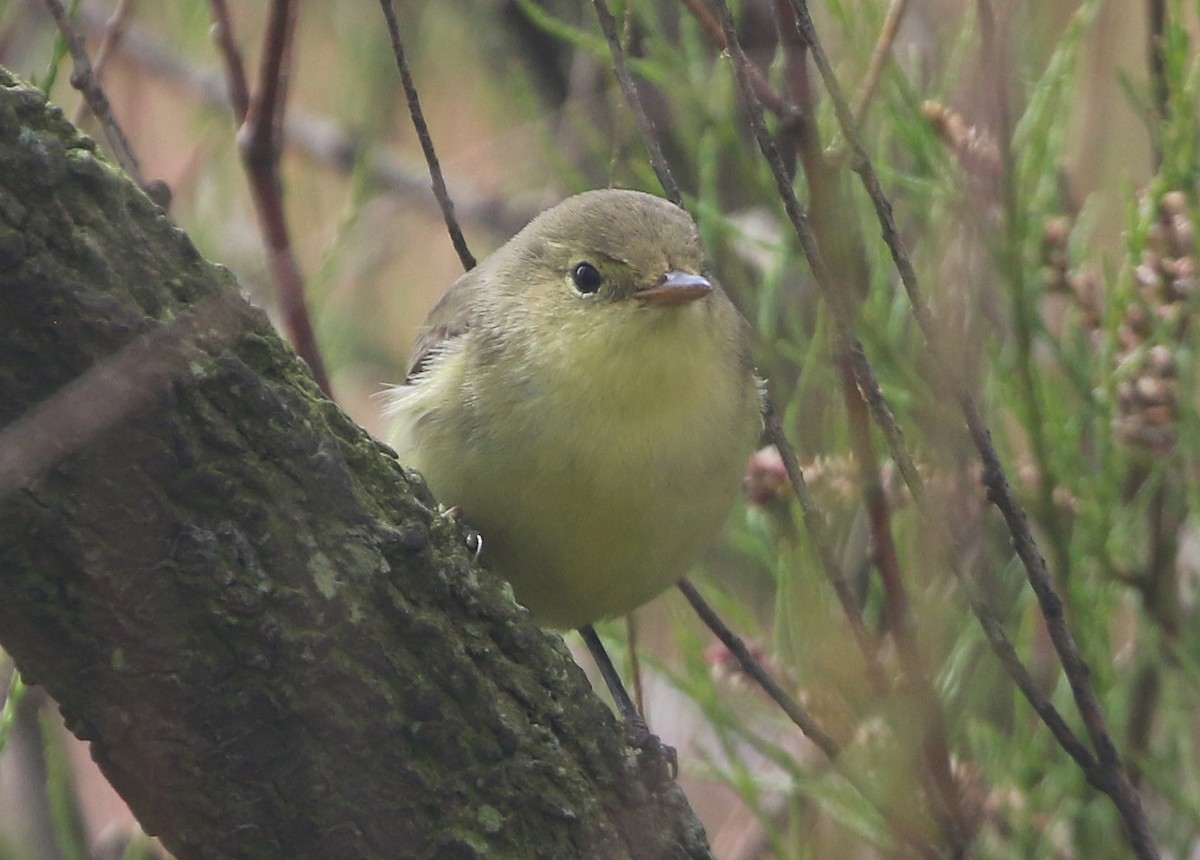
x: 474, y: 539
x: 474, y: 543
x: 653, y: 753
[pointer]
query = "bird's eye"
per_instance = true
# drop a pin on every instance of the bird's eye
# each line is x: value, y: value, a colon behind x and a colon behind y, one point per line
x: 586, y: 278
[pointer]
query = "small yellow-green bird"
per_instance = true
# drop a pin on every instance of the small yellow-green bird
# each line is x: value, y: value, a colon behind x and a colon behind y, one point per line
x: 586, y: 396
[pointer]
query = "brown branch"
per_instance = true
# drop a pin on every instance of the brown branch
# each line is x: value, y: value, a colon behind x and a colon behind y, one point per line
x: 267, y: 105
x: 84, y: 79
x: 878, y: 513
x: 659, y: 162
x: 316, y: 137
x: 423, y: 135
x: 752, y: 667
x: 260, y: 144
x: 235, y: 70
x: 767, y: 94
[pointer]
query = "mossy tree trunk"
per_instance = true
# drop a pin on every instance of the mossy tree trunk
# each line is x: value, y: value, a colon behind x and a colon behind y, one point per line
x: 275, y: 645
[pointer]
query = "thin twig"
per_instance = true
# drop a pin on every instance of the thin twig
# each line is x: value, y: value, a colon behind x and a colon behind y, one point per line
x: 818, y: 530
x: 422, y: 129
x: 260, y: 145
x: 879, y: 59
x: 112, y: 389
x: 1112, y: 778
x: 659, y: 162
x: 236, y: 88
x: 752, y: 667
x: 1113, y: 775
x: 319, y: 138
x: 771, y: 99
x: 1007, y: 655
x: 83, y: 78
x: 113, y: 31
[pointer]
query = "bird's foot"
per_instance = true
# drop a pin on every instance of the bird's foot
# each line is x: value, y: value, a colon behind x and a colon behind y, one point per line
x: 474, y: 539
x: 658, y: 760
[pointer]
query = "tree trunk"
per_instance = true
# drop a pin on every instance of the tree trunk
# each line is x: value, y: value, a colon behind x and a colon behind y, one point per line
x: 275, y: 645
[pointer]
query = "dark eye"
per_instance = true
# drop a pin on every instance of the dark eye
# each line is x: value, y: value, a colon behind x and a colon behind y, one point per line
x: 586, y: 278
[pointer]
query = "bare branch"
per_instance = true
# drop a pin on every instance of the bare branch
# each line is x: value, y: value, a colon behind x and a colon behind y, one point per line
x: 113, y: 31
x: 661, y: 169
x: 319, y: 138
x: 235, y: 70
x: 418, y: 119
x: 260, y: 144
x: 84, y: 79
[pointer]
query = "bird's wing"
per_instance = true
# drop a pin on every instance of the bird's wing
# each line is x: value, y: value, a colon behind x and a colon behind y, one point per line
x: 450, y: 319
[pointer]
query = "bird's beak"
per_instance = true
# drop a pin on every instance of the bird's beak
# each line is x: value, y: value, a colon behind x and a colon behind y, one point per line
x: 675, y: 288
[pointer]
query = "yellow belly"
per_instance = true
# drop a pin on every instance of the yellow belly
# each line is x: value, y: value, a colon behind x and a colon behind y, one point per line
x: 593, y: 496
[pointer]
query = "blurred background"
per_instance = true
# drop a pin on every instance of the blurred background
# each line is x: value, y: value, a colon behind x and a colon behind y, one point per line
x: 1041, y: 159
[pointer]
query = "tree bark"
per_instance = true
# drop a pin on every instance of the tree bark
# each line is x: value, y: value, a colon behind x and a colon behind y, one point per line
x: 275, y: 645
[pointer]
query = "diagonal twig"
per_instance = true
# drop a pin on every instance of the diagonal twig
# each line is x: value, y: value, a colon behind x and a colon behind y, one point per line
x: 83, y: 78
x: 422, y: 129
x: 114, y: 30
x: 766, y: 93
x: 319, y: 138
x: 905, y: 830
x: 661, y: 169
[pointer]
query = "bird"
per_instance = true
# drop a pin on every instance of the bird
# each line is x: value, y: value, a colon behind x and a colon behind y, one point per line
x: 587, y: 398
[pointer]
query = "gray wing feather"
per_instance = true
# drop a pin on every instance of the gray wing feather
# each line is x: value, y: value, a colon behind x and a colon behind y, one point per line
x: 451, y: 318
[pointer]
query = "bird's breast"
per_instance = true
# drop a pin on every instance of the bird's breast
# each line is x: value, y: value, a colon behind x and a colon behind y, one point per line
x: 601, y: 469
